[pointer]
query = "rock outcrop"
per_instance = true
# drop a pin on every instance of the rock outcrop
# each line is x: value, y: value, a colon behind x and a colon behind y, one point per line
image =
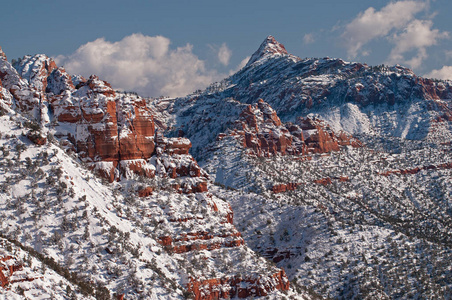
x: 113, y: 133
x: 116, y: 134
x: 147, y: 191
x: 260, y: 129
x: 35, y: 70
x: 2, y: 54
x: 225, y: 235
x: 37, y: 138
x: 291, y: 186
x: 417, y: 169
x: 280, y: 188
x: 58, y: 82
x: 10, y: 272
x: 238, y: 287
x: 26, y: 98
x: 319, y: 138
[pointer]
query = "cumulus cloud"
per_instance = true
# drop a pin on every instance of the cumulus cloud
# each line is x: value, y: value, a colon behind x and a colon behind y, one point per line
x: 417, y: 36
x: 240, y: 65
x: 144, y: 64
x: 443, y: 73
x: 224, y: 54
x: 372, y: 24
x: 448, y: 54
x: 308, y: 38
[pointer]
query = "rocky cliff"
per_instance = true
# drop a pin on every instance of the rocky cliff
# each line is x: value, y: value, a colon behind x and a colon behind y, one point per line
x: 350, y: 97
x: 112, y: 132
x: 115, y: 135
x: 336, y: 171
x: 261, y: 130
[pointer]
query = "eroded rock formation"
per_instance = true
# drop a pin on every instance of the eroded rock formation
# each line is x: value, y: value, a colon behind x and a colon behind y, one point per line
x: 225, y: 288
x: 260, y: 129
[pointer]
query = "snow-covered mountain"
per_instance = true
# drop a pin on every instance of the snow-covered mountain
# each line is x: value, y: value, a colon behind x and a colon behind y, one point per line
x: 351, y: 97
x: 293, y: 178
x: 350, y: 165
x: 94, y: 192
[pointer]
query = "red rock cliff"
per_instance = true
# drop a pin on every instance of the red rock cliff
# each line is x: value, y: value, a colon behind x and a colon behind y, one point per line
x: 225, y: 288
x: 261, y: 130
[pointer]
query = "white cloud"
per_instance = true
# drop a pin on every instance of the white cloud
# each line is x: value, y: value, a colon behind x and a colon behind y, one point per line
x: 308, y: 38
x: 144, y: 64
x: 417, y: 36
x: 240, y: 65
x: 448, y: 54
x: 224, y: 54
x: 372, y: 24
x: 243, y: 63
x: 443, y: 73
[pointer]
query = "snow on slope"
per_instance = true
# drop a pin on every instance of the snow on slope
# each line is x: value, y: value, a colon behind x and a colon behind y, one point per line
x: 28, y: 278
x: 351, y: 97
x: 142, y: 237
x: 365, y: 223
x: 371, y: 222
x: 361, y: 233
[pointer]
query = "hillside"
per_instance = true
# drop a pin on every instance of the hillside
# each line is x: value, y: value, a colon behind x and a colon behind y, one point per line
x: 94, y: 191
x: 345, y: 169
x: 356, y: 98
x: 293, y: 178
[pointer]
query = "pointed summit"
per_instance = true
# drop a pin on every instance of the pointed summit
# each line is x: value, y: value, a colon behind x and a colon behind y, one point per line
x: 2, y: 54
x: 269, y: 47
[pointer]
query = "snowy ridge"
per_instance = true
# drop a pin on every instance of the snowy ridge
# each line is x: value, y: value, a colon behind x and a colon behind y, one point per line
x: 365, y: 210
x: 155, y: 231
x: 269, y: 48
x: 351, y: 97
x: 288, y: 203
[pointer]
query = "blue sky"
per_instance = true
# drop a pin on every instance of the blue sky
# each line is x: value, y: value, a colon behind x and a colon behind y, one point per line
x: 174, y: 47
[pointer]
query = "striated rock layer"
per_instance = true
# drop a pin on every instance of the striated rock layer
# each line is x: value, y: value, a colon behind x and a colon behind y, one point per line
x: 114, y: 133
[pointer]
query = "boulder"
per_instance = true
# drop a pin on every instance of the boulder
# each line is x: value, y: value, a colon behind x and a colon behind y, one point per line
x: 37, y: 138
x: 147, y: 191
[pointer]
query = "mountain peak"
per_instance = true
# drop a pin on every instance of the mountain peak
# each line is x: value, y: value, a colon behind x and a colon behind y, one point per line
x: 2, y: 54
x: 269, y: 47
